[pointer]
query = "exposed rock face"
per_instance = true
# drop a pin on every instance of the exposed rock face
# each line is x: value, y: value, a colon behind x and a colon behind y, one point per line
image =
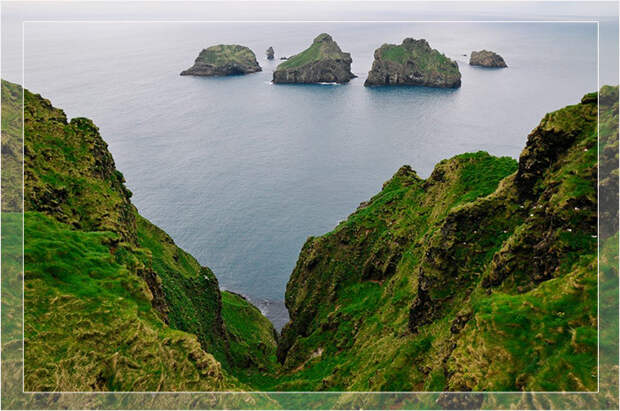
x: 412, y: 63
x: 224, y: 60
x: 270, y: 53
x: 486, y: 58
x: 322, y: 62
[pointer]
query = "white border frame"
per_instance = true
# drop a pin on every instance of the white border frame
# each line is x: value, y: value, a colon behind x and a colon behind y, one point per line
x: 598, y: 322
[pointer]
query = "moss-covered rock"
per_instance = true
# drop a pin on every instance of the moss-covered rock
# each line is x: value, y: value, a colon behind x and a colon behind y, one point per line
x: 70, y: 175
x: 412, y: 63
x: 322, y: 62
x: 224, y: 60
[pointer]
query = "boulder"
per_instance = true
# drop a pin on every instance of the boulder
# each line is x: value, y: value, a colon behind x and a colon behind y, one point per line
x: 485, y: 58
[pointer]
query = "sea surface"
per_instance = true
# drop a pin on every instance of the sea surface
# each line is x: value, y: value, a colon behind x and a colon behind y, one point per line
x: 240, y: 172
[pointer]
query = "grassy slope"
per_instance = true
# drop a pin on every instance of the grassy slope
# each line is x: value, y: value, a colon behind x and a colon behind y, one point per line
x: 224, y: 53
x: 192, y: 295
x: 231, y: 328
x: 433, y: 281
x: 89, y: 324
x: 318, y: 50
x: 121, y: 283
x: 252, y: 337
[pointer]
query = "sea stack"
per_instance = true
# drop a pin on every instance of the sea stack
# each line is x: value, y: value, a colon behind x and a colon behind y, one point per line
x: 485, y: 58
x: 224, y: 60
x: 322, y: 62
x: 270, y: 53
x: 412, y: 63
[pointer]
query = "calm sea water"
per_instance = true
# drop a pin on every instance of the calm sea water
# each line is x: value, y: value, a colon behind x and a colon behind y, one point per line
x: 240, y: 172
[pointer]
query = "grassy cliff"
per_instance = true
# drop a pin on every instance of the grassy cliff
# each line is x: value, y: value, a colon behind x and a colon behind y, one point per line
x: 481, y: 277
x: 111, y: 303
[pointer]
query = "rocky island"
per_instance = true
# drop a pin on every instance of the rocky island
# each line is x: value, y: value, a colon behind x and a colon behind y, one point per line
x: 485, y: 58
x: 270, y: 53
x: 412, y: 63
x: 322, y: 62
x: 224, y: 60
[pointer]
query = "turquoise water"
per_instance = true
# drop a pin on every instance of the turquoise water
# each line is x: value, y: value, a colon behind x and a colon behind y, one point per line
x: 240, y: 172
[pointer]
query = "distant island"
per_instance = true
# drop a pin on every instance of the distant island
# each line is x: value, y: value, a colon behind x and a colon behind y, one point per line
x: 485, y: 58
x: 412, y: 63
x: 224, y: 60
x: 322, y: 62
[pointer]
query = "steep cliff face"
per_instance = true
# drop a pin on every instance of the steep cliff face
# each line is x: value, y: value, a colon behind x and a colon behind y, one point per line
x: 322, y: 62
x: 69, y: 173
x: 481, y: 277
x: 111, y: 303
x: 412, y: 63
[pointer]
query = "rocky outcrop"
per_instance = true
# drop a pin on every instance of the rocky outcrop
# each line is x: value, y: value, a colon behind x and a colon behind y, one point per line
x: 412, y: 63
x: 270, y: 53
x: 60, y: 185
x: 322, y: 62
x: 224, y: 60
x: 486, y: 58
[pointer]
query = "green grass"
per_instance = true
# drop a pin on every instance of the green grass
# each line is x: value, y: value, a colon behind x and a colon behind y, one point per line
x: 482, y: 176
x: 312, y: 53
x: 89, y: 323
x: 191, y: 292
x: 395, y: 53
x: 252, y: 337
x: 224, y: 54
x: 318, y: 50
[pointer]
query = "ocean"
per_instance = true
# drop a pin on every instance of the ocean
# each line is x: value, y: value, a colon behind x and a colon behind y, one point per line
x: 240, y: 172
